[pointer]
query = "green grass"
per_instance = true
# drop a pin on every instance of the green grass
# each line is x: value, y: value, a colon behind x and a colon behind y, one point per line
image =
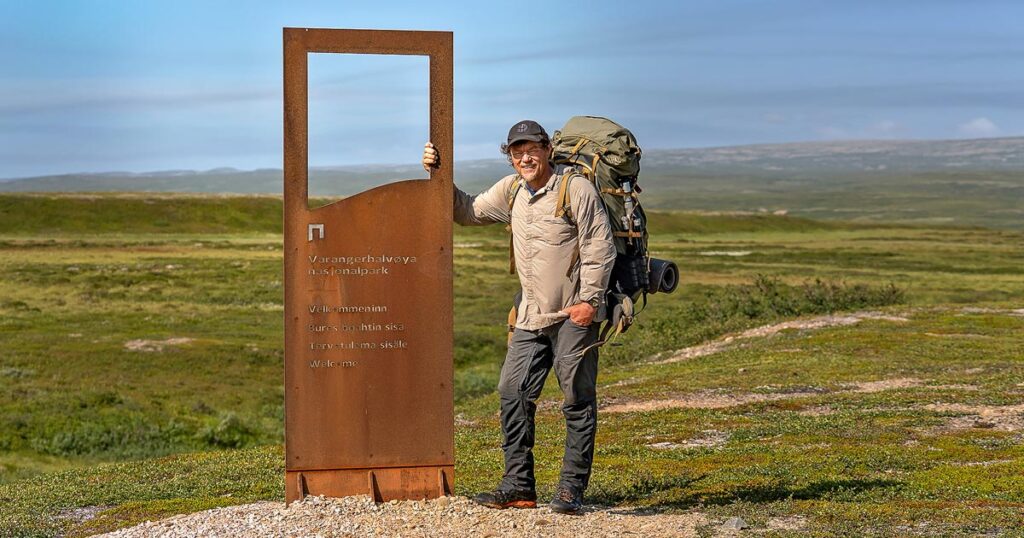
x: 138, y: 213
x: 132, y: 492
x: 86, y: 421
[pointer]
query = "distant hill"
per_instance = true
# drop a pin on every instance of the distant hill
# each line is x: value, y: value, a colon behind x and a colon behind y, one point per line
x: 863, y: 156
x: 975, y: 182
x: 818, y: 160
x: 324, y: 181
x: 957, y: 182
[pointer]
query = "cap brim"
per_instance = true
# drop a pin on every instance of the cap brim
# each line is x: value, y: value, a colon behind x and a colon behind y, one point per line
x: 527, y: 138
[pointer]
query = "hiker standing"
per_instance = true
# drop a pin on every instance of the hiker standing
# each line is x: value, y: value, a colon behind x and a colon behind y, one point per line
x: 564, y: 257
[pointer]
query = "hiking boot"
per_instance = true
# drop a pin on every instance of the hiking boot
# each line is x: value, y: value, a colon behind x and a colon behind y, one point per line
x: 567, y: 500
x: 501, y: 498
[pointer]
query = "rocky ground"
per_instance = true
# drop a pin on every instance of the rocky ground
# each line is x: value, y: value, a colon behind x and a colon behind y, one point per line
x: 445, y: 517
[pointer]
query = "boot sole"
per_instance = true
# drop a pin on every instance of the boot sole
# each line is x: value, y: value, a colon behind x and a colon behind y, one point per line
x: 566, y: 511
x: 516, y: 504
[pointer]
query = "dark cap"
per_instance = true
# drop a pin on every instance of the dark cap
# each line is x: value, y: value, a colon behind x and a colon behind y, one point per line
x: 527, y: 131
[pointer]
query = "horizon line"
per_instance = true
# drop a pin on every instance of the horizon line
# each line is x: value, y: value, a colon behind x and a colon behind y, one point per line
x: 231, y: 169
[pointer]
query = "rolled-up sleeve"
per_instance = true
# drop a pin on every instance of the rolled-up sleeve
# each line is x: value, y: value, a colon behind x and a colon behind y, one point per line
x: 488, y: 207
x: 597, y: 249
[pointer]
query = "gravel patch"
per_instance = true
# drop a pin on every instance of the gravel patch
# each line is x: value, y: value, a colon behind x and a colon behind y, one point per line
x: 886, y: 384
x: 155, y: 345
x: 455, y: 517
x: 80, y: 515
x: 1007, y: 418
x: 816, y: 411
x: 787, y: 523
x: 733, y: 253
x: 707, y: 439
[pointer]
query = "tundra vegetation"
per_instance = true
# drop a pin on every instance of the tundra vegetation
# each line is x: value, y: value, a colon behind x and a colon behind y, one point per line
x: 141, y: 369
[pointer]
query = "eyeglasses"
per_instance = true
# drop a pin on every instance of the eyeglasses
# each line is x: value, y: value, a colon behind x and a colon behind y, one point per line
x: 536, y: 151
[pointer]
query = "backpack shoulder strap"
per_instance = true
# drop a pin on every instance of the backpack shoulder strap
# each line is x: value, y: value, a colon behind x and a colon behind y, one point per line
x: 510, y: 196
x: 511, y: 193
x: 563, y: 207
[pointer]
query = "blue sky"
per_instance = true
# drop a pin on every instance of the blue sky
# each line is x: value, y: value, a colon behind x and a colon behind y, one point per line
x: 94, y: 86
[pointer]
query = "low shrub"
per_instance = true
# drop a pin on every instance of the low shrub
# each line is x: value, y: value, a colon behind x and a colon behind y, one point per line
x: 768, y: 298
x: 229, y: 431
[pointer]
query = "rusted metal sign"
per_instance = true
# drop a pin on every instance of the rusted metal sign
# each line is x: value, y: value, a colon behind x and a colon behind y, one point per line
x: 368, y: 302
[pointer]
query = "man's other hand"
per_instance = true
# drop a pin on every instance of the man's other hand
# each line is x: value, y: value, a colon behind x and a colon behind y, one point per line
x: 581, y: 313
x: 431, y: 159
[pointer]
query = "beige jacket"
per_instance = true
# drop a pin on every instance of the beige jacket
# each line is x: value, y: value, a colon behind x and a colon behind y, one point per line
x: 545, y: 245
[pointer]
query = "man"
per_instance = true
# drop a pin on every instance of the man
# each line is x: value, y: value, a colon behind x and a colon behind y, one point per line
x: 564, y: 264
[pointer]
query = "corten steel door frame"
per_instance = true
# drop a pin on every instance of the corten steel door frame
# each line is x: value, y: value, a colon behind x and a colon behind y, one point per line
x: 379, y: 421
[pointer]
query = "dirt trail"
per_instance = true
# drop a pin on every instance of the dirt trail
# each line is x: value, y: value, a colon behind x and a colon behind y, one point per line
x: 819, y: 322
x: 710, y: 399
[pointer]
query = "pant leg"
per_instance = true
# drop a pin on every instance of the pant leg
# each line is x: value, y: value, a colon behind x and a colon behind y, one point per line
x: 577, y: 376
x: 527, y: 364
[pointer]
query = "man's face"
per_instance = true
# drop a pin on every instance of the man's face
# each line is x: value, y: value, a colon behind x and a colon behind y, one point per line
x: 530, y: 159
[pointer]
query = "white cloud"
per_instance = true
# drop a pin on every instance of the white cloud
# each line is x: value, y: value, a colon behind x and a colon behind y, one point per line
x: 979, y: 127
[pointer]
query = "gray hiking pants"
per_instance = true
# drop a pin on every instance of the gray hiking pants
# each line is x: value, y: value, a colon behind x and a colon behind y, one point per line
x: 531, y: 355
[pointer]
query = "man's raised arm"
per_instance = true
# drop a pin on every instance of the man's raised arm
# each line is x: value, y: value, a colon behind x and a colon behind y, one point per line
x: 488, y: 207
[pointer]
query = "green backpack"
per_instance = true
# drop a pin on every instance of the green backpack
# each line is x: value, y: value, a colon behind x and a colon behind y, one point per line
x: 608, y: 155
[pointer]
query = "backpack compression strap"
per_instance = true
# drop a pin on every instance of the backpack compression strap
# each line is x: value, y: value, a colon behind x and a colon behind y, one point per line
x: 598, y: 151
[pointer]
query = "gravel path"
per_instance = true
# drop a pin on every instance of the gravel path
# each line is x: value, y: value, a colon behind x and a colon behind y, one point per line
x: 445, y: 517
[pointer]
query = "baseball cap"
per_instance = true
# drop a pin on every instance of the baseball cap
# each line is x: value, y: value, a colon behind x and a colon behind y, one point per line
x: 527, y: 131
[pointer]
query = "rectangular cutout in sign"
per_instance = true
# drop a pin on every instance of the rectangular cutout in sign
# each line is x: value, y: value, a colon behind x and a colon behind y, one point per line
x: 386, y: 96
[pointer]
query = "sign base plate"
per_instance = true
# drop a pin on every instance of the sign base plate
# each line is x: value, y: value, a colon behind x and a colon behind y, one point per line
x: 381, y: 484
